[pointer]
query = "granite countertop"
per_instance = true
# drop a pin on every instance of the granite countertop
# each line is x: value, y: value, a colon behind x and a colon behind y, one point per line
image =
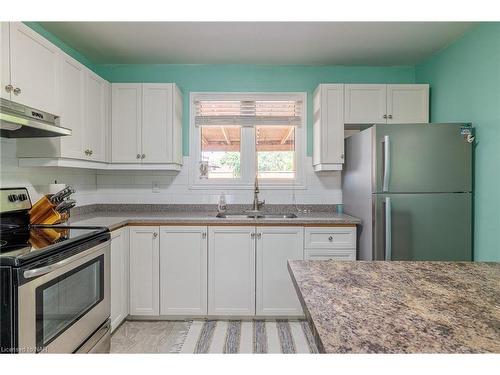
x: 401, y: 307
x: 116, y: 219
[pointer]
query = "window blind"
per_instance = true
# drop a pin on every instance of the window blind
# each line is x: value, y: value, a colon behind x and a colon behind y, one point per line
x: 248, y: 112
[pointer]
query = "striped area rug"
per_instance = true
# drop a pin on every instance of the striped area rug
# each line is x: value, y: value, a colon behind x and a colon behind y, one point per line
x: 259, y: 336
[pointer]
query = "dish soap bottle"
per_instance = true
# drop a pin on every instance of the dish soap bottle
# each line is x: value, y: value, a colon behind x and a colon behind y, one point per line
x: 222, y: 205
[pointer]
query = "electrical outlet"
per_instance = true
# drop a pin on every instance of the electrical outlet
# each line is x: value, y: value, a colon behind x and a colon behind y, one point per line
x: 156, y: 187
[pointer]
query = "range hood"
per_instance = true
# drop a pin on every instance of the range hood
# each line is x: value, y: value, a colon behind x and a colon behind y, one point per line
x: 20, y: 121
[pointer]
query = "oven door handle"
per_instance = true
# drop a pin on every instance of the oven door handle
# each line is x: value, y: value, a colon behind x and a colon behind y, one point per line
x: 29, y: 274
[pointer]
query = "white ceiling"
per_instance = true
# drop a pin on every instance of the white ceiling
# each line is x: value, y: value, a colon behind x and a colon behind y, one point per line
x: 307, y: 43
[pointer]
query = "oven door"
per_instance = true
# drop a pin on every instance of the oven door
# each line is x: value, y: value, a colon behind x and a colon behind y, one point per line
x: 62, y: 304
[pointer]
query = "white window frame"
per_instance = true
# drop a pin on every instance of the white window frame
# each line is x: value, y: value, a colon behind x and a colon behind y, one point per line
x: 247, y: 150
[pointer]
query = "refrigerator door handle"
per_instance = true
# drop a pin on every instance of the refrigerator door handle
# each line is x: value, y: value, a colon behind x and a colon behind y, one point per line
x: 386, y: 144
x: 388, y: 229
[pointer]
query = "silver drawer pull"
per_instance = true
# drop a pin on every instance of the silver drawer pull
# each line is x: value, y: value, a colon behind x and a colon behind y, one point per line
x: 330, y: 238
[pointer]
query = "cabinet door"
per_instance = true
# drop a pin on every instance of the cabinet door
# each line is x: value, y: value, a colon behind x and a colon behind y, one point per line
x: 144, y: 271
x: 33, y: 68
x: 126, y: 122
x: 407, y: 104
x: 329, y: 125
x: 157, y: 125
x: 71, y: 96
x: 183, y: 270
x: 231, y: 271
x: 5, y: 92
x: 95, y: 117
x: 119, y: 278
x: 276, y: 294
x: 365, y: 104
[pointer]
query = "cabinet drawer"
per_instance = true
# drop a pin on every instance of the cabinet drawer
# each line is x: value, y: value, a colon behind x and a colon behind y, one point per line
x: 322, y: 254
x: 330, y: 238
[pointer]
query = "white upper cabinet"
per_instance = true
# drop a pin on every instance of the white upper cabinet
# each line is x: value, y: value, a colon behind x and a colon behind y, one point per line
x: 33, y: 69
x: 126, y: 122
x: 365, y: 104
x: 328, y: 128
x: 72, y: 100
x: 147, y: 124
x: 275, y: 293
x: 407, y: 104
x: 84, y: 101
x: 96, y: 119
x: 386, y: 104
x: 6, y: 87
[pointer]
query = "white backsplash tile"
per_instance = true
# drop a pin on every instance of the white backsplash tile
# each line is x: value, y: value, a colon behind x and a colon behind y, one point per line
x: 136, y: 186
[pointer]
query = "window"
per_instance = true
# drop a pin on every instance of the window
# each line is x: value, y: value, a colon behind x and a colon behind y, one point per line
x: 237, y: 136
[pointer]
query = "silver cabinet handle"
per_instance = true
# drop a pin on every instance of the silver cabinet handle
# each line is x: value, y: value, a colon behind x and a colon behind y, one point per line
x: 388, y: 229
x: 252, y: 235
x: 9, y: 88
x: 143, y: 156
x: 138, y: 156
x: 91, y: 152
x: 155, y: 234
x: 330, y: 238
x: 386, y: 148
x: 385, y: 116
x: 259, y: 235
x: 204, y: 235
x: 17, y: 91
x: 390, y: 116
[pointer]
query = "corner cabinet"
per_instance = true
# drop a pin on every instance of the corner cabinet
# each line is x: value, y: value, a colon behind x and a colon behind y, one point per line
x: 146, y: 125
x: 386, y: 104
x: 275, y: 293
x: 144, y: 270
x: 328, y: 127
x: 85, y: 100
x: 183, y: 270
x: 231, y: 271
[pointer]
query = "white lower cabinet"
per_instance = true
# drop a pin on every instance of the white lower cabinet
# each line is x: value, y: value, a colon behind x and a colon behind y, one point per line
x: 217, y: 270
x: 323, y: 243
x: 231, y: 270
x: 275, y: 293
x: 119, y: 276
x: 183, y: 270
x: 144, y: 270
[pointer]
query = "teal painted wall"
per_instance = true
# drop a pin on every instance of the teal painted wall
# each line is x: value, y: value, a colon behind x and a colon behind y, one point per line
x: 465, y: 86
x: 253, y: 78
x: 63, y: 46
x: 270, y: 78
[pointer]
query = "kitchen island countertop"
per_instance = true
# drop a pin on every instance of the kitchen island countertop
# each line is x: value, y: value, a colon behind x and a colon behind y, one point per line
x: 400, y: 307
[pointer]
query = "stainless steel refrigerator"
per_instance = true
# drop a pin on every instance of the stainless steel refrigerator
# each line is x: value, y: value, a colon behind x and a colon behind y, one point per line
x: 411, y: 185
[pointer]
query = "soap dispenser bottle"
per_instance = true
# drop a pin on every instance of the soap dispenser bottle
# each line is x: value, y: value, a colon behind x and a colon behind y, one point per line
x: 222, y: 205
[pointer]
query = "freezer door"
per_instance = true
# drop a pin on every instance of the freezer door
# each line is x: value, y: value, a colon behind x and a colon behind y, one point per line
x: 423, y: 227
x: 421, y: 158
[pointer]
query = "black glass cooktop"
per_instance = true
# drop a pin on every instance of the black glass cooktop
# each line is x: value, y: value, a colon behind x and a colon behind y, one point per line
x: 19, y: 245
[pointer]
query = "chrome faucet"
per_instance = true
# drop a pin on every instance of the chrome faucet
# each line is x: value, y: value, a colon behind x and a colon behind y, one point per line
x: 257, y: 205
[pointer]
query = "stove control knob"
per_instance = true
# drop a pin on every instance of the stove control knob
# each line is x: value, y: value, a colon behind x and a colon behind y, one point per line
x: 22, y: 197
x: 13, y: 198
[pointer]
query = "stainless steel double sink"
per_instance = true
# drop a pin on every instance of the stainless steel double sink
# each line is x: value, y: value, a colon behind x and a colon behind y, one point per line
x: 255, y: 215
